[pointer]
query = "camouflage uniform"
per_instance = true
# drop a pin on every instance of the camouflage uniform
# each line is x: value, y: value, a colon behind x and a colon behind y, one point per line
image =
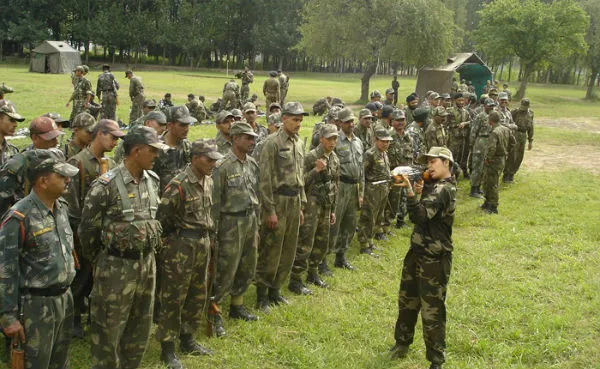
x: 82, y: 88
x: 320, y: 106
x: 197, y: 110
x: 435, y: 135
x: 284, y: 83
x: 321, y: 190
x: 38, y: 267
x: 426, y: 269
x: 136, y: 93
x: 271, y: 90
x: 7, y: 151
x: 458, y: 138
x: 231, y: 93
x: 400, y: 154
x: 71, y: 148
x: 417, y: 135
x: 523, y: 118
x: 106, y: 91
x: 500, y: 143
x: 184, y: 213
x: 480, y: 131
x: 247, y: 79
x: 120, y: 232
x: 365, y: 134
x: 172, y: 161
x: 223, y: 144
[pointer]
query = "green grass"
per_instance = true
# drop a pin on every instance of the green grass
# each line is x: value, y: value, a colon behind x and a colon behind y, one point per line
x: 524, y: 290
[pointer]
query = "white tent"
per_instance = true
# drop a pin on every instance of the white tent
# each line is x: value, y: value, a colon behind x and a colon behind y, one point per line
x: 54, y: 57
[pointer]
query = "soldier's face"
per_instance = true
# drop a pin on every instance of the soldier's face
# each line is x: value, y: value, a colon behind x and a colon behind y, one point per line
x: 503, y: 103
x: 413, y: 104
x: 438, y: 168
x: 292, y: 123
x: 203, y: 164
x: 145, y: 155
x: 54, y: 184
x: 7, y: 125
x: 83, y: 136
x: 447, y: 103
x: 244, y: 143
x: 250, y: 116
x: 365, y: 122
x: 108, y: 141
x: 399, y: 125
x: 40, y: 143
x: 460, y: 102
x: 225, y: 126
x: 275, y: 111
x: 328, y: 143
x: 179, y: 130
x: 382, y: 145
x: 436, y: 102
x: 348, y: 127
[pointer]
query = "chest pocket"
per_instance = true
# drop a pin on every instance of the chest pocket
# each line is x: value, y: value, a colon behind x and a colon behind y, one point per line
x: 344, y: 155
x: 45, y: 238
x: 285, y: 160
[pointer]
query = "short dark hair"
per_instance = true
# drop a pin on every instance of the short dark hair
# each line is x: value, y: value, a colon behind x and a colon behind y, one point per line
x: 128, y: 146
x: 33, y: 174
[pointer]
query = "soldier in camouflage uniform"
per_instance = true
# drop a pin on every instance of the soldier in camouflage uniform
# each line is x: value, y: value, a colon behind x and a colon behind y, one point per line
x: 82, y: 127
x: 282, y: 198
x: 37, y: 268
x: 184, y: 213
x: 8, y: 124
x: 223, y: 121
x: 173, y: 160
x: 506, y: 120
x: 165, y: 104
x: 400, y: 154
x: 321, y: 178
x: 417, y: 132
x: 155, y: 120
x: 247, y: 78
x: 428, y: 262
x: 235, y: 207
x: 523, y: 118
x: 321, y: 106
x: 386, y: 119
x: 119, y: 234
x: 500, y: 144
x: 412, y: 102
x: 435, y: 134
x: 271, y: 89
x: 458, y: 132
x: 231, y: 95
x: 330, y: 118
x: 377, y: 179
x: 136, y: 94
x: 389, y: 97
x: 480, y: 131
x: 250, y: 116
x: 106, y: 91
x: 284, y: 84
x: 91, y: 163
x: 82, y: 93
x: 196, y: 108
x: 364, y: 129
x: 274, y: 122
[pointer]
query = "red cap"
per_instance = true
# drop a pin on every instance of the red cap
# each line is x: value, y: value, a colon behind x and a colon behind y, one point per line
x: 45, y: 127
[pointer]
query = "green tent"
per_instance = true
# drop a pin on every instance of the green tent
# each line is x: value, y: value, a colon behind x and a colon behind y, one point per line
x: 54, y: 57
x: 468, y: 65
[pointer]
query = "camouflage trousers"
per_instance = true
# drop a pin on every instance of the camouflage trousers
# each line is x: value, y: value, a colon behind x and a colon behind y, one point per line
x: 459, y: 147
x: 136, y: 108
x: 314, y: 238
x: 109, y: 105
x: 277, y: 247
x: 372, y: 212
x: 270, y: 99
x: 244, y: 93
x: 492, y: 174
x: 183, y: 268
x: 395, y: 208
x: 230, y: 100
x: 515, y: 158
x: 423, y: 289
x: 346, y: 217
x: 121, y: 309
x: 282, y: 95
x: 48, y: 329
x: 78, y: 107
x: 236, y: 255
x: 477, y: 161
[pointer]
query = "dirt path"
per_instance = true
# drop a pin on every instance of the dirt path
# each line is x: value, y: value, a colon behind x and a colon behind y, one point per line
x: 591, y: 125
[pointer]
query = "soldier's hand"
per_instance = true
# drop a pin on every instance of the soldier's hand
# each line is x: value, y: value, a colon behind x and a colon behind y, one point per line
x: 271, y: 221
x: 332, y: 218
x: 301, y: 217
x: 402, y: 181
x: 360, y: 201
x: 419, y: 186
x: 529, y: 145
x: 86, y: 105
x: 462, y: 125
x: 320, y: 164
x: 15, y: 330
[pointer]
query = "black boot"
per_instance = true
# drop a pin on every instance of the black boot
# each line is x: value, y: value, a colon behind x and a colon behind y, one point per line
x: 435, y: 366
x: 240, y: 312
x: 262, y: 299
x: 400, y: 222
x: 324, y: 269
x: 476, y: 192
x: 77, y: 327
x: 398, y: 351
x: 341, y: 262
x: 275, y: 297
x: 492, y: 209
x: 216, y: 322
x: 168, y: 357
x: 369, y: 251
x: 381, y: 236
x: 189, y: 346
x: 313, y: 277
x: 296, y: 286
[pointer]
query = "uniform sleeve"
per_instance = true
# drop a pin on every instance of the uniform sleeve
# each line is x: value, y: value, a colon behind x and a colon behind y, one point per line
x: 11, y: 239
x: 217, y: 175
x: 170, y: 203
x: 474, y: 131
x: 72, y: 195
x: 492, y: 144
x: 131, y: 88
x: 264, y: 88
x: 90, y: 227
x: 310, y: 172
x: 530, y: 128
x: 335, y: 179
x: 512, y: 142
x: 429, y: 205
x: 267, y: 175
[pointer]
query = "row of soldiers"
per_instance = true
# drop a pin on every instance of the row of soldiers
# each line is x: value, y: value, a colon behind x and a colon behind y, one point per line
x: 275, y: 89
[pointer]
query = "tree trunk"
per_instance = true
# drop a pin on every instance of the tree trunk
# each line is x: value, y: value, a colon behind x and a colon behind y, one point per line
x: 365, y: 79
x: 528, y: 69
x: 589, y: 95
x: 510, y: 68
x: 86, y: 52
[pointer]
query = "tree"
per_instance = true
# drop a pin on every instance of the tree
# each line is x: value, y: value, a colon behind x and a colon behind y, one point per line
x: 532, y: 30
x: 369, y: 30
x: 592, y: 7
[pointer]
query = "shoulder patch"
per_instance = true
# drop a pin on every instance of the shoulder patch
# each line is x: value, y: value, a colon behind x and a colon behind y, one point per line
x: 16, y: 163
x: 107, y: 177
x: 153, y: 175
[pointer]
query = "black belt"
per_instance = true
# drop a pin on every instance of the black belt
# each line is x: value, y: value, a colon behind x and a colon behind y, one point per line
x: 192, y: 233
x: 48, y: 291
x: 128, y: 254
x: 348, y: 180
x: 287, y: 191
x: 243, y: 213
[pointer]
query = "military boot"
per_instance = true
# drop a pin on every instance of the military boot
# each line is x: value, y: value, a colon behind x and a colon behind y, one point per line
x: 216, y: 322
x: 368, y: 250
x: 262, y: 299
x: 78, y: 331
x: 313, y: 277
x: 168, y: 357
x: 189, y: 346
x: 296, y: 286
x: 275, y: 297
x: 476, y: 192
x: 240, y: 312
x: 400, y: 222
x: 381, y: 236
x: 435, y: 366
x: 341, y: 262
x: 399, y: 351
x: 324, y: 269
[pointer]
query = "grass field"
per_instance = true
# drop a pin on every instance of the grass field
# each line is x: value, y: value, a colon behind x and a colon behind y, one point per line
x: 525, y: 288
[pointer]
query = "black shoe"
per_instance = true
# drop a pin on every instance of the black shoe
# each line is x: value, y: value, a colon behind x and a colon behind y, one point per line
x: 507, y: 179
x: 296, y: 286
x: 484, y: 206
x: 476, y: 193
x: 400, y: 223
x: 262, y: 300
x: 216, y: 322
x: 435, y: 366
x: 77, y: 331
x: 341, y: 262
x: 313, y: 277
x: 240, y: 312
x: 275, y: 297
x: 168, y: 357
x: 381, y: 237
x: 189, y: 346
x: 399, y: 351
x: 368, y: 251
x: 324, y: 269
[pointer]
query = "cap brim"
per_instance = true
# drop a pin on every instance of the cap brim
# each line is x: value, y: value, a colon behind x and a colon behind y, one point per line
x: 51, y: 135
x: 15, y: 116
x: 214, y: 155
x: 117, y: 133
x: 159, y: 145
x: 187, y: 120
x: 296, y: 113
x: 329, y: 135
x: 387, y: 138
x: 366, y: 116
x: 245, y: 111
x: 65, y: 169
x: 437, y: 156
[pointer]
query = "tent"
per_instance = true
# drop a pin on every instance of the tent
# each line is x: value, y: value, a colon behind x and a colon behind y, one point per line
x: 54, y: 57
x: 468, y: 65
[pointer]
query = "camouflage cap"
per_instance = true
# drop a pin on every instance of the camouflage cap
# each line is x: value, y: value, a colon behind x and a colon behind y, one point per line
x: 158, y: 116
x: 365, y: 113
x: 56, y: 117
x: 458, y: 95
x: 181, y: 114
x: 525, y: 102
x: 333, y: 112
x: 6, y: 89
x: 191, y: 96
x: 249, y: 107
x: 222, y: 115
x: 398, y: 114
x: 274, y: 105
x: 294, y: 108
x: 128, y: 72
x: 337, y: 101
x: 242, y: 128
x: 329, y: 130
x: 371, y: 107
x: 420, y: 114
x: 79, y: 68
x: 489, y: 102
x: 168, y: 94
x: 440, y: 152
x: 151, y: 103
x: 494, y: 116
x: 205, y: 147
x: 275, y: 120
x: 387, y: 111
x: 143, y: 135
x: 439, y: 111
x: 383, y: 135
x: 44, y: 161
x: 45, y: 127
x: 345, y: 115
x: 85, y: 68
x: 273, y: 74
x: 502, y: 96
x: 493, y: 91
x: 389, y: 91
x: 237, y: 113
x: 83, y: 120
x: 8, y: 108
x: 378, y: 105
x: 445, y: 96
x: 375, y: 93
x: 110, y: 126
x: 434, y: 95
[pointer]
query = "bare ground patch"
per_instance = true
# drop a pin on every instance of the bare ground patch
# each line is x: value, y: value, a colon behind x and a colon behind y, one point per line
x: 550, y: 158
x: 588, y: 124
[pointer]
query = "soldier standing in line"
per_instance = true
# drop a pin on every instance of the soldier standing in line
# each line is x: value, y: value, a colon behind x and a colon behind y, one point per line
x: 523, y: 118
x: 235, y: 207
x: 321, y: 179
x: 247, y: 78
x: 82, y: 127
x: 412, y: 102
x: 274, y: 122
x: 38, y: 266
x: 375, y: 95
x: 184, y: 213
x: 119, y: 233
x: 364, y: 130
x: 506, y: 120
x: 82, y: 93
x: 480, y: 131
x: 147, y: 107
x: 8, y: 124
x: 223, y: 122
x: 377, y: 180
x: 435, y: 134
x: 389, y: 97
x: 155, y: 120
x: 428, y: 262
x: 106, y: 91
x: 395, y: 87
x: 136, y: 93
x: 271, y: 89
x: 417, y: 132
x: 458, y: 132
x: 284, y: 84
x: 400, y: 154
x: 250, y: 115
x: 282, y: 199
